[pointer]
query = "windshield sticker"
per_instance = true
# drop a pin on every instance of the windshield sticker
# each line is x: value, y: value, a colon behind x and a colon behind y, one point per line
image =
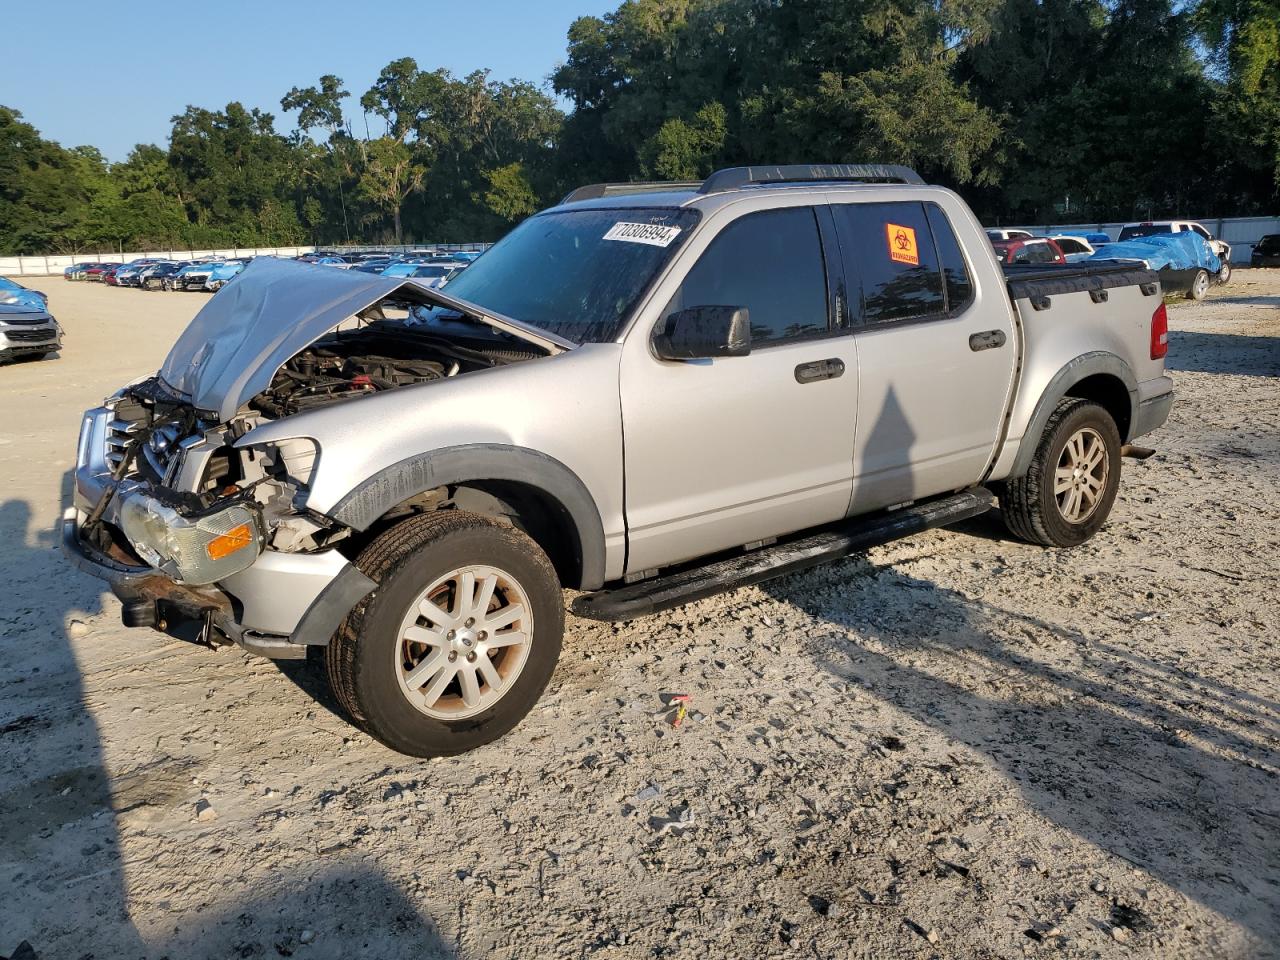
x: 653, y: 234
x: 902, y: 244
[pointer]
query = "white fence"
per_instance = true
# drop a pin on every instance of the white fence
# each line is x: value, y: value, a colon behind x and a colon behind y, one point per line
x: 55, y: 264
x: 1242, y: 233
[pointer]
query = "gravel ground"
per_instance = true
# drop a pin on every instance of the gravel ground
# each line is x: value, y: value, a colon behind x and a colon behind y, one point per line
x: 958, y: 746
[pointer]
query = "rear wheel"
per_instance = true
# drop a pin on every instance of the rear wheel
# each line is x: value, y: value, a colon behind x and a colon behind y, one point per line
x: 457, y: 642
x: 1199, y: 286
x: 1068, y: 491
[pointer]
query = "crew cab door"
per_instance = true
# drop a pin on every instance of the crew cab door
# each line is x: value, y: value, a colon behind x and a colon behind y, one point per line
x: 937, y: 350
x: 722, y: 452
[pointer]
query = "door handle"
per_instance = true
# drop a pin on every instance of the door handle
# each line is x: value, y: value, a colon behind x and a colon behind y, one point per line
x: 819, y: 370
x: 986, y: 340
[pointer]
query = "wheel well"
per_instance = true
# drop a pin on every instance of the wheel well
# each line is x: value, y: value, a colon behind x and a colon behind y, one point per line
x: 526, y: 507
x: 1111, y: 394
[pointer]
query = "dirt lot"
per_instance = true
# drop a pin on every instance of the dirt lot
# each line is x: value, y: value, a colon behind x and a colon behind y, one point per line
x: 959, y: 746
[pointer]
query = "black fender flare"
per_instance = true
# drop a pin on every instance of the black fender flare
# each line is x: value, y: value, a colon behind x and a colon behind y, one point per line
x: 393, y: 485
x: 1085, y: 365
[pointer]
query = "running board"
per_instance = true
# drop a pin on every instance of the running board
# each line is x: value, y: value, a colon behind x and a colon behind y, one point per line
x: 850, y: 536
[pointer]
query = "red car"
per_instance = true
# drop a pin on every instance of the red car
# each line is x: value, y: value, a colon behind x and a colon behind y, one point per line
x: 109, y: 274
x: 95, y: 271
x: 1033, y: 250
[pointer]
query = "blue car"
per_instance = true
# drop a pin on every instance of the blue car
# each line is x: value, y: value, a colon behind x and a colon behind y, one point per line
x: 223, y: 272
x: 402, y: 268
x: 12, y: 292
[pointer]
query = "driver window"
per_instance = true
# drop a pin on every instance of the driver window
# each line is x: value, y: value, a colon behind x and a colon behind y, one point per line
x: 769, y: 262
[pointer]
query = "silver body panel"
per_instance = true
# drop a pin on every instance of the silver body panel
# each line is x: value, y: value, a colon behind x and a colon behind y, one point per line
x: 681, y: 458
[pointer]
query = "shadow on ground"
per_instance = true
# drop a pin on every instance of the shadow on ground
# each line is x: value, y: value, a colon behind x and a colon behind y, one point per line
x: 1166, y: 769
x: 1224, y: 353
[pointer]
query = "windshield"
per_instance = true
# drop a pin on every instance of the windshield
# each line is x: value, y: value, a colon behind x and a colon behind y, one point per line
x: 431, y: 272
x: 1268, y: 244
x: 575, y: 273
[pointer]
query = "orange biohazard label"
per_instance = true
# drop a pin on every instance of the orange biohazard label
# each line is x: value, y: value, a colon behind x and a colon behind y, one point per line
x: 902, y: 244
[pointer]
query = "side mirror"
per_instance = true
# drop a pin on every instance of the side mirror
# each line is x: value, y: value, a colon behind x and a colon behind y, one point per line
x: 703, y: 332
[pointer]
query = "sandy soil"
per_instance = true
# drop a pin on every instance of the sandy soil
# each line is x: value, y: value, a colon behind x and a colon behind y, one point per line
x: 959, y: 746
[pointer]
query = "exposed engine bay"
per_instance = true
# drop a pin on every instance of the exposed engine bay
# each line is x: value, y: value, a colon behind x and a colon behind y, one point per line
x: 184, y: 466
x: 381, y: 356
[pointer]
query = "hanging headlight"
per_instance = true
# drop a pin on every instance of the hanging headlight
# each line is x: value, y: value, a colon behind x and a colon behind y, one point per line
x: 196, y: 549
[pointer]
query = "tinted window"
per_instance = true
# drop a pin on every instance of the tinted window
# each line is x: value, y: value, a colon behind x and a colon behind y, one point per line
x: 770, y: 263
x: 955, y: 273
x: 889, y: 248
x: 1070, y: 246
x: 1202, y: 231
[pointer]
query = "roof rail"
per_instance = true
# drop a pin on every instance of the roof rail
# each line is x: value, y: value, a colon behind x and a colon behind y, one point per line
x: 734, y: 177
x: 593, y: 191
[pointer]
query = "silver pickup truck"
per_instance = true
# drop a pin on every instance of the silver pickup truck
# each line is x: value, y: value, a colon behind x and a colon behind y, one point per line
x: 646, y: 394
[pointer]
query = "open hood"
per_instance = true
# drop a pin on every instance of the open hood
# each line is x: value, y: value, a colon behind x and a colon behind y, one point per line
x: 274, y: 309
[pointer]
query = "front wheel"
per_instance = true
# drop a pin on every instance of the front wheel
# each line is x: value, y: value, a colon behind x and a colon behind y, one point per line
x: 1199, y: 286
x: 1224, y: 275
x: 1067, y: 493
x: 458, y: 640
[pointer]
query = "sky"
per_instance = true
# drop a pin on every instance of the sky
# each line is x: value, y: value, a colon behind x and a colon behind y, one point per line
x: 113, y: 75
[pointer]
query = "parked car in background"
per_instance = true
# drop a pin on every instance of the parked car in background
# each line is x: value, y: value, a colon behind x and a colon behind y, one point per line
x: 109, y: 275
x: 1030, y: 250
x: 76, y: 270
x: 159, y: 276
x: 12, y: 292
x: 436, y: 275
x: 1073, y: 247
x: 1000, y: 234
x: 1149, y: 228
x: 27, y: 331
x: 193, y: 276
x: 374, y: 264
x: 1266, y: 253
x: 222, y: 273
x: 96, y: 272
x: 402, y: 268
x: 128, y: 275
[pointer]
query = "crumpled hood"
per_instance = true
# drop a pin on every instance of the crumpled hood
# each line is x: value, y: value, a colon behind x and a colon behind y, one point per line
x: 274, y: 309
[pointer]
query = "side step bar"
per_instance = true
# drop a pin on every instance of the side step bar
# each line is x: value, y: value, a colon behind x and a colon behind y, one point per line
x: 685, y: 586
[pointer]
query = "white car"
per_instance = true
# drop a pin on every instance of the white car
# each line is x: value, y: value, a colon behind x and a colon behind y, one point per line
x: 1000, y: 234
x: 1148, y: 227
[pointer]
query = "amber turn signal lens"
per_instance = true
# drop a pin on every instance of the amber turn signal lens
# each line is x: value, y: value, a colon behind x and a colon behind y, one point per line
x: 225, y: 544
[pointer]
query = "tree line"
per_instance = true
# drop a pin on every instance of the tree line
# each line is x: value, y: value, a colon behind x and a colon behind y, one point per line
x: 1036, y: 110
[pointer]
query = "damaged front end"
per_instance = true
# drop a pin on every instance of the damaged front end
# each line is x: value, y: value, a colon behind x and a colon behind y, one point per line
x: 188, y: 518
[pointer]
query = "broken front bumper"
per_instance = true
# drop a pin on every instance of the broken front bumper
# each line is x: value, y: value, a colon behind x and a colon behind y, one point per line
x: 276, y: 607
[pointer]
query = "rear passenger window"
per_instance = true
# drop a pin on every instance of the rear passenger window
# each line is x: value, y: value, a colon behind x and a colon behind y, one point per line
x: 889, y: 246
x: 955, y: 273
x: 770, y: 263
x: 906, y: 259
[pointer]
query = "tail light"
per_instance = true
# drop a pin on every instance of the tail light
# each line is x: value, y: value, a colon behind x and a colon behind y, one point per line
x: 1159, y: 333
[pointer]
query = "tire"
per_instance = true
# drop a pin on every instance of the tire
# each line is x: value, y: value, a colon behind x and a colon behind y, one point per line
x: 370, y: 661
x: 1033, y: 511
x: 1199, y: 286
x: 1224, y: 275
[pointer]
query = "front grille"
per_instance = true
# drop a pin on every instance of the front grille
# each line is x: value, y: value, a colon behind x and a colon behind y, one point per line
x: 119, y: 435
x: 32, y: 336
x: 154, y: 456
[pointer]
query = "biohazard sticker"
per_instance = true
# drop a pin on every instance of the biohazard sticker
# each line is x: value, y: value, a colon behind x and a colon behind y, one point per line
x: 902, y: 244
x: 653, y: 234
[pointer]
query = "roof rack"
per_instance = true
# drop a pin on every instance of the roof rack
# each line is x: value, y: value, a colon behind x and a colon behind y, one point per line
x: 734, y: 177
x: 593, y: 191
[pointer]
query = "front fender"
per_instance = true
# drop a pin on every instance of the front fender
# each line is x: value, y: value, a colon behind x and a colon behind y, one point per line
x: 393, y: 485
